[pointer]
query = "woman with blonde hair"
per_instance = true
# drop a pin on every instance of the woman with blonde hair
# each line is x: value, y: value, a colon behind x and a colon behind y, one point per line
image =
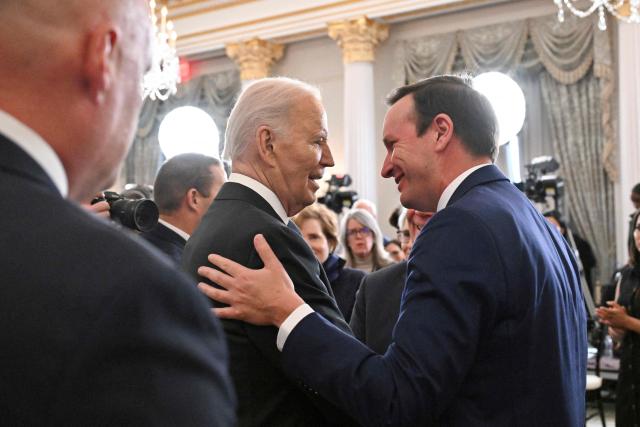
x: 361, y: 239
x: 319, y: 228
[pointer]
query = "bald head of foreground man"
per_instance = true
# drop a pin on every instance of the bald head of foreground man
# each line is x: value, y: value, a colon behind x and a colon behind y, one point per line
x: 98, y: 328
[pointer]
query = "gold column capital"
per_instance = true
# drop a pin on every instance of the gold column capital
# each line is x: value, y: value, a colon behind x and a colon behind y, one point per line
x: 254, y: 57
x: 358, y: 38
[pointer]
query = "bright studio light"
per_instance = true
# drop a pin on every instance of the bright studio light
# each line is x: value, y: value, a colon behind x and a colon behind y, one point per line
x: 507, y: 101
x: 188, y: 130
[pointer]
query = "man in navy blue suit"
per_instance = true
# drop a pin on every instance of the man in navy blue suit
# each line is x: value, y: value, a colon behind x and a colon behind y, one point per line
x: 492, y: 323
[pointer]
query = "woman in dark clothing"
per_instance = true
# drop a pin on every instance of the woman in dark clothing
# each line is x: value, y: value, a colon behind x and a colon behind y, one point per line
x: 319, y: 228
x: 623, y: 319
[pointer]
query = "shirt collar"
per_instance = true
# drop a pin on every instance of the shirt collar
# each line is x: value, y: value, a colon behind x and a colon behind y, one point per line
x: 175, y: 229
x: 37, y: 148
x: 453, y: 186
x: 263, y: 191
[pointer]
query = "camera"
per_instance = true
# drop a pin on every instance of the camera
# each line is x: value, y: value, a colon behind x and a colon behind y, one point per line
x: 335, y: 198
x: 138, y: 214
x: 542, y: 186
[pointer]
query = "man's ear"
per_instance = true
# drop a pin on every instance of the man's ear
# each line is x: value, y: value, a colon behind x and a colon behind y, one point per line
x: 443, y: 128
x: 99, y: 62
x: 265, y: 138
x: 192, y: 199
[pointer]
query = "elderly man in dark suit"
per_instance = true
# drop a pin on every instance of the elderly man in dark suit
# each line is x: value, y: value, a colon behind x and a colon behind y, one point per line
x: 96, y: 328
x: 184, y: 188
x: 277, y: 141
x: 492, y: 329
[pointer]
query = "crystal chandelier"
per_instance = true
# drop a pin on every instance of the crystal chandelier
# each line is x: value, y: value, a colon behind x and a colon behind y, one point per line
x: 624, y: 10
x: 161, y: 80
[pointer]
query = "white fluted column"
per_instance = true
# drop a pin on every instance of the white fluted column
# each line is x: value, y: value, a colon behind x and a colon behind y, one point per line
x: 358, y: 39
x: 254, y: 58
x: 629, y: 133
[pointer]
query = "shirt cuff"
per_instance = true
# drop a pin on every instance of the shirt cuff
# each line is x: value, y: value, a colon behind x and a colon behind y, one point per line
x: 291, y: 322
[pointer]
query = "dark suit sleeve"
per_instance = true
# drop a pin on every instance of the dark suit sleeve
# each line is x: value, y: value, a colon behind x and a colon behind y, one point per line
x: 155, y: 357
x: 304, y: 270
x: 358, y: 320
x: 455, y: 280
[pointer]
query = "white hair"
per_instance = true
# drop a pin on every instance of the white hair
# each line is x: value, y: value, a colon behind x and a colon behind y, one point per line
x: 266, y: 102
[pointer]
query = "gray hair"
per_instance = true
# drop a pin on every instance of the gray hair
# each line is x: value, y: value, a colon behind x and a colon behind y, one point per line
x: 264, y: 102
x: 379, y: 255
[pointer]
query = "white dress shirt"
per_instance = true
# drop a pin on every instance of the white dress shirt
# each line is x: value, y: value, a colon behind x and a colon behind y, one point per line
x: 175, y: 229
x: 263, y: 191
x: 37, y: 148
x: 304, y: 310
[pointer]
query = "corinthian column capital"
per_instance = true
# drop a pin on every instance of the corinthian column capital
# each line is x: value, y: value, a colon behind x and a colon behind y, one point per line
x: 255, y: 57
x: 358, y: 38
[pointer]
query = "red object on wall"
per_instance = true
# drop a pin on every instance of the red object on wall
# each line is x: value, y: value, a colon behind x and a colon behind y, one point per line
x: 185, y: 70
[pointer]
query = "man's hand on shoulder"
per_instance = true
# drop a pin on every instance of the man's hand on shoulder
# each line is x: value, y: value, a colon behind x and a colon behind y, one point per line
x: 261, y: 297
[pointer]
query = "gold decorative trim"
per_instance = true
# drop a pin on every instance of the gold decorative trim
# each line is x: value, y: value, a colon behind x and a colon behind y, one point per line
x: 267, y: 18
x: 174, y: 15
x: 255, y: 57
x: 358, y: 38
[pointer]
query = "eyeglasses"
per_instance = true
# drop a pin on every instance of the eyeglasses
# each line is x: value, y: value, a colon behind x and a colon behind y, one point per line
x: 403, y: 236
x: 364, y: 231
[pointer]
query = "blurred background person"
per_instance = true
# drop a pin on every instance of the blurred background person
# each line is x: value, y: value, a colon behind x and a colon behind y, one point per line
x: 623, y: 318
x: 377, y: 304
x: 370, y: 207
x: 319, y: 228
x: 361, y: 240
x: 184, y: 188
x: 394, y: 249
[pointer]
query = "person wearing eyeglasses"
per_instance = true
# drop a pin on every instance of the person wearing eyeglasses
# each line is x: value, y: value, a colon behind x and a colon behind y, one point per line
x: 361, y: 239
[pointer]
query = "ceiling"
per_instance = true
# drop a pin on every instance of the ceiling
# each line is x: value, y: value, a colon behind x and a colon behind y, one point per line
x: 204, y: 27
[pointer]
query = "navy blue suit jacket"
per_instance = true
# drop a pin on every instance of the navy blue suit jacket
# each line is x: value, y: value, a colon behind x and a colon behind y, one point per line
x: 491, y: 329
x: 98, y: 329
x: 167, y: 241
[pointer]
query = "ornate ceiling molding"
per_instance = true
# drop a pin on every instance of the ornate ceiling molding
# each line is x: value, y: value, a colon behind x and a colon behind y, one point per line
x: 205, y: 27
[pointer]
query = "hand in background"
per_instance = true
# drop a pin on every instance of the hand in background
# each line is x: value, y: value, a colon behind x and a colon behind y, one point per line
x: 614, y: 316
x: 100, y: 208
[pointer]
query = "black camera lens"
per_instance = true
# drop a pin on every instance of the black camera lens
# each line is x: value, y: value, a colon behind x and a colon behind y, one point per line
x: 140, y: 215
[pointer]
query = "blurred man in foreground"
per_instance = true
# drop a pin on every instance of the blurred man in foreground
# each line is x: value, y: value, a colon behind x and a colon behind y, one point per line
x: 97, y: 329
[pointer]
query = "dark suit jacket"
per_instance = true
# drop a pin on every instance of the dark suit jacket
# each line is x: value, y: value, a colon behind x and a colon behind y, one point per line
x: 492, y: 327
x: 344, y: 283
x: 378, y: 305
x: 266, y: 396
x: 98, y: 329
x: 167, y: 241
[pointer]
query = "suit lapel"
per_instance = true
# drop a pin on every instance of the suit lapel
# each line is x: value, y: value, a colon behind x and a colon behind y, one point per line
x: 15, y: 161
x: 481, y: 176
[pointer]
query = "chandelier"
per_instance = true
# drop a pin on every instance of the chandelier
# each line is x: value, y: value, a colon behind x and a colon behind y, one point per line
x: 624, y: 10
x: 161, y: 80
